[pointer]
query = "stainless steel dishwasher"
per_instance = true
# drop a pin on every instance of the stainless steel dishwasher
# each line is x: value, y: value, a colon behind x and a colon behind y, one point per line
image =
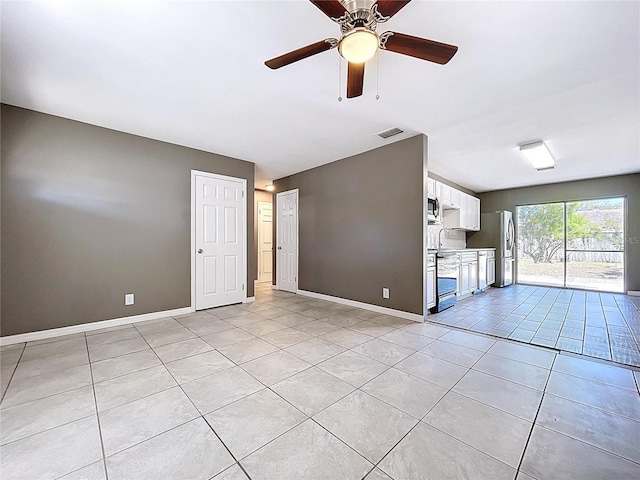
x: 447, y: 280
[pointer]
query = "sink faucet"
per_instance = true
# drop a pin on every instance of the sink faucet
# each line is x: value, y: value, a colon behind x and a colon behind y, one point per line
x: 439, y: 237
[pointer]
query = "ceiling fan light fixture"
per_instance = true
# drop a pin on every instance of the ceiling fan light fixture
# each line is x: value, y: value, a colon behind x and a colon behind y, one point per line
x: 359, y: 45
x: 539, y: 155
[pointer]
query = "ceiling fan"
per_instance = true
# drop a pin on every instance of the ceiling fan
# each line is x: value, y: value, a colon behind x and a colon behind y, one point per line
x: 359, y: 42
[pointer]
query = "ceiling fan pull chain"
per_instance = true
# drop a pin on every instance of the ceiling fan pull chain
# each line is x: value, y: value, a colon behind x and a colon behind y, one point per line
x: 377, y: 75
x: 339, y: 78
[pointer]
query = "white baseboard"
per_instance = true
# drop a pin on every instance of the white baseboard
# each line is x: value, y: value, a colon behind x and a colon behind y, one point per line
x: 87, y: 327
x: 250, y: 300
x: 365, y: 306
x: 634, y: 293
x: 274, y: 287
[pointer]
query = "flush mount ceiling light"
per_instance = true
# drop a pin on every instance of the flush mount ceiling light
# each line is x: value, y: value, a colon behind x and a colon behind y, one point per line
x: 270, y: 188
x: 539, y: 155
x: 359, y: 45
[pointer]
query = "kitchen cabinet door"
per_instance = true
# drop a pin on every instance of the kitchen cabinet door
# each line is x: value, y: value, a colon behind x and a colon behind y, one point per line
x: 473, y: 276
x: 445, y: 194
x: 464, y: 212
x: 473, y: 208
x: 431, y: 287
x: 464, y: 279
x: 482, y: 271
x: 431, y: 187
x: 491, y: 271
x: 455, y: 197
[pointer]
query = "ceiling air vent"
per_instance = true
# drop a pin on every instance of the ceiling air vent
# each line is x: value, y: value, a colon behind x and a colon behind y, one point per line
x: 390, y: 133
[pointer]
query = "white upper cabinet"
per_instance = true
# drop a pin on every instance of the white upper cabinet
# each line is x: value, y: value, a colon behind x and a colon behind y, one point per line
x: 473, y: 207
x: 444, y: 193
x: 431, y: 187
x: 459, y: 210
x: 455, y: 197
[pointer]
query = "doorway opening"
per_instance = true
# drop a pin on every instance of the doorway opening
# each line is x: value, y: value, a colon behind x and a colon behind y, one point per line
x: 265, y: 242
x: 573, y: 244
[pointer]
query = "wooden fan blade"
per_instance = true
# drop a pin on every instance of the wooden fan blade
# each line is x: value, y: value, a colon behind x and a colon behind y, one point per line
x: 418, y: 47
x: 388, y: 8
x: 331, y: 8
x: 355, y: 79
x: 301, y: 53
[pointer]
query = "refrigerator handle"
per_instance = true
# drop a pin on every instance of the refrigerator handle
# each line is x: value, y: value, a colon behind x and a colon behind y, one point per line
x: 511, y: 236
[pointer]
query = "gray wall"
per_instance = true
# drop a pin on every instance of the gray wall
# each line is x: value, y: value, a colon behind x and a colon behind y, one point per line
x: 361, y: 226
x: 622, y: 185
x: 89, y: 214
x: 260, y: 196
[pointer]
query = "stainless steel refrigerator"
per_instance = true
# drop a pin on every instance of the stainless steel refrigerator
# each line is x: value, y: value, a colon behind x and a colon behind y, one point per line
x: 497, y: 231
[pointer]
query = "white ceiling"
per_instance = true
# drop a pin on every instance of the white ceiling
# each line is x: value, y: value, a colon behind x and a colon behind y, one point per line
x: 192, y: 73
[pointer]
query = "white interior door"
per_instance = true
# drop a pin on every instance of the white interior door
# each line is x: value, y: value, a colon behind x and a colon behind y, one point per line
x: 220, y: 243
x: 265, y: 241
x: 287, y: 241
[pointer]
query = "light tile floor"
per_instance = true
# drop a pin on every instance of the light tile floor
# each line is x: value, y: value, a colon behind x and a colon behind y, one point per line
x: 290, y: 387
x: 600, y: 325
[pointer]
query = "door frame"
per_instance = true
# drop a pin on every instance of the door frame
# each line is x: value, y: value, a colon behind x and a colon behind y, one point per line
x: 276, y: 217
x: 195, y: 173
x: 260, y: 238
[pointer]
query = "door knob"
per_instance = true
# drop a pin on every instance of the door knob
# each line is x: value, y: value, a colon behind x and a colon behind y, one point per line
x: 279, y: 248
x: 200, y: 250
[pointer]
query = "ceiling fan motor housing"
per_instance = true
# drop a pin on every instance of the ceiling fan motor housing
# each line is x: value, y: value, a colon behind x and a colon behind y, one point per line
x: 354, y: 5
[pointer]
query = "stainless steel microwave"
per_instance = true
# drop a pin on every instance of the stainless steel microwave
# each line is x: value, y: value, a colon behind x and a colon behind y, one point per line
x: 433, y: 210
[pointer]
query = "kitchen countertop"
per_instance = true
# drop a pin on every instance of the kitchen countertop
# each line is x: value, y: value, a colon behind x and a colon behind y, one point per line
x: 460, y: 250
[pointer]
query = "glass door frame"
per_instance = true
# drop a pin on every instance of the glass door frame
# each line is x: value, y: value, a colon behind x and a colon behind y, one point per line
x: 564, y: 243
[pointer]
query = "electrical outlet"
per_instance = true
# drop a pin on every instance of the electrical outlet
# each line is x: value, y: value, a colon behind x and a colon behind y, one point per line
x: 128, y: 299
x: 385, y: 293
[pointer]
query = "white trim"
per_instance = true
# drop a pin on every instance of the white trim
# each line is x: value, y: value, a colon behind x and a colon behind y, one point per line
x: 195, y: 173
x: 274, y: 287
x: 425, y: 225
x: 249, y: 300
x: 366, y: 306
x: 634, y: 293
x: 87, y: 327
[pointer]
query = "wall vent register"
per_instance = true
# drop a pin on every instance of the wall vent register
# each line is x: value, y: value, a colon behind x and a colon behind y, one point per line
x: 390, y: 133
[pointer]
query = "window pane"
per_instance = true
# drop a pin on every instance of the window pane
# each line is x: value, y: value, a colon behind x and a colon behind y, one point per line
x: 603, y: 271
x: 541, y: 244
x: 595, y: 225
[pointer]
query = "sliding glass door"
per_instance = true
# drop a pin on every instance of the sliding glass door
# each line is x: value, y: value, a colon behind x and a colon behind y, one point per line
x: 572, y: 244
x: 541, y: 244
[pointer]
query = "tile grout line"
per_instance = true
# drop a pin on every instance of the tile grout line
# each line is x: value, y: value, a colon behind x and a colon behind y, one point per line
x: 307, y: 416
x: 203, y: 415
x: 237, y: 462
x: 24, y: 347
x: 427, y: 413
x: 535, y: 419
x: 95, y: 400
x: 200, y: 415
